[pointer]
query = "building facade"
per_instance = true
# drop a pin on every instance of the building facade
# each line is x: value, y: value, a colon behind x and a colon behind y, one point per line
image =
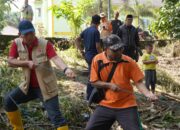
x: 46, y: 23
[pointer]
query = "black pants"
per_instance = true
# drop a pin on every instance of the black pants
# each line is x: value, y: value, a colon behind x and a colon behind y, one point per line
x: 89, y: 57
x: 150, y: 79
x: 103, y: 118
x: 17, y: 97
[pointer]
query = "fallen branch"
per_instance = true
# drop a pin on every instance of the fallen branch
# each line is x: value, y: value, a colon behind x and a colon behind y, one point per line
x: 171, y: 96
x: 38, y: 125
x: 152, y: 118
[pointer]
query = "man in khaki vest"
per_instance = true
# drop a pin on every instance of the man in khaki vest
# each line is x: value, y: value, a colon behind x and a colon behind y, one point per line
x: 33, y: 55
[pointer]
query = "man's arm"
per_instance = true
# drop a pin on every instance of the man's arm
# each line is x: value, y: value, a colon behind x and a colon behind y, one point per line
x: 62, y: 66
x: 137, y: 76
x: 98, y: 47
x: 97, y: 40
x: 142, y: 88
x: 78, y: 43
x: 105, y: 85
x: 137, y: 38
x: 59, y: 63
x: 13, y: 62
x: 119, y: 32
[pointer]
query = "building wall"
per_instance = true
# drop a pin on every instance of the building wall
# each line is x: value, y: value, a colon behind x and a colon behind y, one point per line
x: 52, y: 26
x: 60, y: 26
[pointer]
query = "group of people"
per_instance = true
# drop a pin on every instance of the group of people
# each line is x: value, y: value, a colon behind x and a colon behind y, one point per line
x: 117, y: 56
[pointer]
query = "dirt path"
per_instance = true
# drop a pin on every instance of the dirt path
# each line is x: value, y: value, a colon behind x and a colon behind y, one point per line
x: 170, y: 66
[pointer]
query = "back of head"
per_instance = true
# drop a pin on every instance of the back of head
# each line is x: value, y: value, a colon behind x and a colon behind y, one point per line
x: 96, y: 19
x: 149, y: 45
x: 26, y: 2
x: 129, y: 16
x: 116, y: 14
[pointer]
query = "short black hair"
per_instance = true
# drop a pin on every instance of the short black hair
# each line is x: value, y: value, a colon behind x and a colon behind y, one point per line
x: 96, y: 19
x: 129, y: 16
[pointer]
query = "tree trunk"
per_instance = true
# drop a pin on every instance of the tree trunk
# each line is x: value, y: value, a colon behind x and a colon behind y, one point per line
x: 100, y: 6
x: 138, y: 20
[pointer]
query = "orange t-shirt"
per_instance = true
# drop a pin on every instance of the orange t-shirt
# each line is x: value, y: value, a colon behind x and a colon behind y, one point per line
x: 124, y: 72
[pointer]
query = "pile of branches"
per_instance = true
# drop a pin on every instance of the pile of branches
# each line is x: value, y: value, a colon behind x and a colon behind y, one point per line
x: 163, y: 113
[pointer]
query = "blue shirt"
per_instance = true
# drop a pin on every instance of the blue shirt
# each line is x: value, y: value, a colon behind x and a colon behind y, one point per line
x: 90, y: 37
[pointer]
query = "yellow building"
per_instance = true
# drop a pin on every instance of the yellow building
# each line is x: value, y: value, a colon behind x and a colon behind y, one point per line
x: 46, y: 23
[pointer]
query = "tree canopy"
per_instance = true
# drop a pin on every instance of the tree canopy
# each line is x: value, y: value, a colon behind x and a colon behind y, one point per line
x: 4, y: 9
x: 168, y: 21
x: 138, y: 10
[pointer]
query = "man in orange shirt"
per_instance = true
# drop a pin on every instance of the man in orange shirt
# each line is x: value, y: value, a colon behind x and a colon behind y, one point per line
x: 119, y: 102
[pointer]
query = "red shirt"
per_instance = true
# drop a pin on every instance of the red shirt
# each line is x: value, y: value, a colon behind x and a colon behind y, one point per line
x: 49, y: 51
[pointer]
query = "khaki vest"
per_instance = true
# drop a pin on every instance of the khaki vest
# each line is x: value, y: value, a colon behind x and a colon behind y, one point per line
x: 45, y: 75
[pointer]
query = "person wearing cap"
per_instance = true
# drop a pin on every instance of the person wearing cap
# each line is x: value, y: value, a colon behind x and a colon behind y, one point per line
x: 129, y: 35
x: 116, y: 23
x: 27, y: 12
x: 33, y: 55
x: 119, y: 103
x: 91, y: 41
x: 105, y: 27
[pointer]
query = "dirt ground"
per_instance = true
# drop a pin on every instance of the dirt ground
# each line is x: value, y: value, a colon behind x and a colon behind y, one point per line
x: 163, y: 114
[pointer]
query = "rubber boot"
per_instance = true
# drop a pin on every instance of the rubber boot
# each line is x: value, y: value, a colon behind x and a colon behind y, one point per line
x: 15, y: 120
x: 63, y: 128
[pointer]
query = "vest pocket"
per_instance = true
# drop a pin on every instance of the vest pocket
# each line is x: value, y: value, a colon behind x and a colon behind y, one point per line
x: 50, y: 82
x: 23, y: 55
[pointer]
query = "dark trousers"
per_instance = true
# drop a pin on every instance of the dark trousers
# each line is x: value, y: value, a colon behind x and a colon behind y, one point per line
x: 103, y: 118
x: 89, y: 57
x: 150, y: 79
x: 16, y: 97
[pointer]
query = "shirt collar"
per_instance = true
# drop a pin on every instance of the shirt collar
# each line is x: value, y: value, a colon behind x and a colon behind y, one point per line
x: 94, y: 26
x: 106, y: 60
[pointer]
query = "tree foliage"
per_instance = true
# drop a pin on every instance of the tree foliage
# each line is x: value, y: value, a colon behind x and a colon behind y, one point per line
x: 12, y: 18
x: 168, y: 22
x: 138, y: 10
x: 73, y: 12
x: 4, y: 9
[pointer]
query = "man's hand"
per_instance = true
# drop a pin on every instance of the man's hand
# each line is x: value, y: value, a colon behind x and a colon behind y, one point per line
x: 69, y: 73
x: 142, y: 88
x: 151, y: 96
x: 114, y: 87
x: 31, y: 64
x: 82, y: 53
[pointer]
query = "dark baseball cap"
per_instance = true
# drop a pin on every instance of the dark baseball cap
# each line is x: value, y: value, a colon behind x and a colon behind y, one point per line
x: 113, y: 42
x: 25, y: 27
